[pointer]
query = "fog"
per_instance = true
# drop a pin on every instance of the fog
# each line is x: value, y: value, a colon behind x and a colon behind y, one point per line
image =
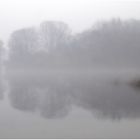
x: 79, y: 14
x: 53, y: 96
x: 72, y: 65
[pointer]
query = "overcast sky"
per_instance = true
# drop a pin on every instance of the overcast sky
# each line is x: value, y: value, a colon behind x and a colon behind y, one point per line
x: 78, y: 14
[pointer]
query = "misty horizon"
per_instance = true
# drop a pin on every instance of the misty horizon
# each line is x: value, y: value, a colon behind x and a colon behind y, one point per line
x: 69, y: 69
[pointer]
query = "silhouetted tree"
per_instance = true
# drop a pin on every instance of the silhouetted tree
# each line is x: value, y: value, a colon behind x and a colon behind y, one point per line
x: 112, y: 44
x: 1, y: 54
x: 107, y: 44
x: 40, y: 47
x: 54, y: 35
x: 23, y: 43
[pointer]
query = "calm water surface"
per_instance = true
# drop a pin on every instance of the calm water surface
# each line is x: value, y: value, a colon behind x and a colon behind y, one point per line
x: 68, y: 106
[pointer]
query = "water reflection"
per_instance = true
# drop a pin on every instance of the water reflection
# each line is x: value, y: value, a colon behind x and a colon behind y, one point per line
x: 109, y: 100
x: 47, y: 96
x: 53, y: 96
x: 2, y: 88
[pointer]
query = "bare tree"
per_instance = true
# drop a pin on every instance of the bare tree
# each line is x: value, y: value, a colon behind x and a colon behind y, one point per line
x: 23, y: 41
x: 1, y: 52
x: 54, y: 35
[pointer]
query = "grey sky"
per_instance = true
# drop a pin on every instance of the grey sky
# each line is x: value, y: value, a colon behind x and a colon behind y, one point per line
x: 78, y: 14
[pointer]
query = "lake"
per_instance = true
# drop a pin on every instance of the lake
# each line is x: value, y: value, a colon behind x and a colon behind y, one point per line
x: 68, y: 105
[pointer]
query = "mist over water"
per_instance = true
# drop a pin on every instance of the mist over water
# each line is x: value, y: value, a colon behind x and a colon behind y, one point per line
x: 61, y: 78
x: 53, y: 76
x: 54, y: 96
x: 44, y: 101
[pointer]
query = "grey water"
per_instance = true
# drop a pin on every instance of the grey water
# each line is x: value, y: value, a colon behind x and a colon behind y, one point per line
x: 68, y: 105
x: 69, y: 69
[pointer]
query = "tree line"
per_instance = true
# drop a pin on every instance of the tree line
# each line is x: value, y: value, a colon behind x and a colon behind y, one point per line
x: 52, y: 46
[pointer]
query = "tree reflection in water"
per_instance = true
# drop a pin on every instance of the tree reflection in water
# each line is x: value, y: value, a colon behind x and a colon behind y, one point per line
x: 53, y: 96
x: 48, y: 96
x: 2, y: 85
x: 1, y: 89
